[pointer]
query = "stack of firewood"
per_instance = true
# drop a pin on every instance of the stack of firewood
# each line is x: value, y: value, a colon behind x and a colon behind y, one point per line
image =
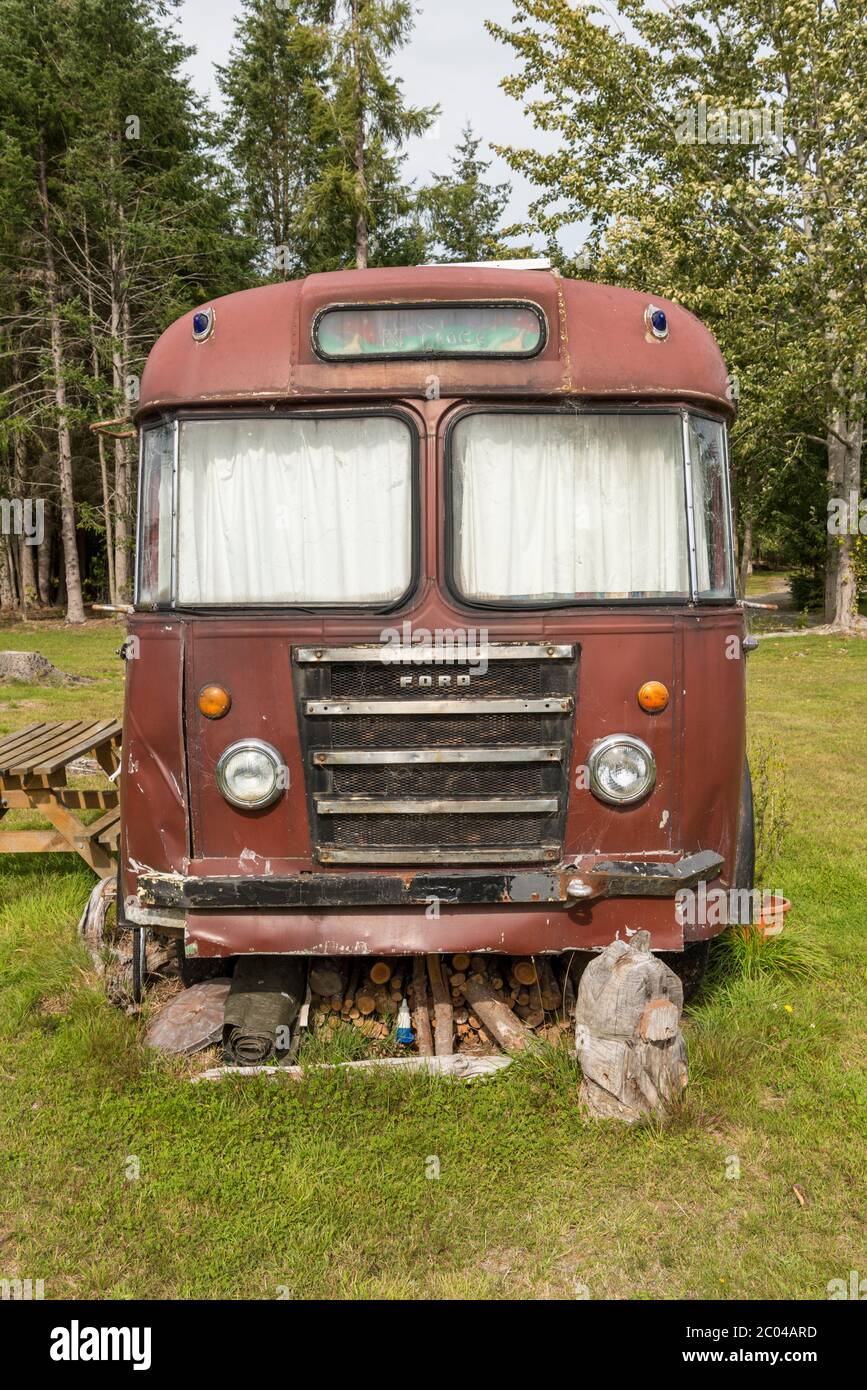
x: 459, y: 1003
x: 364, y: 993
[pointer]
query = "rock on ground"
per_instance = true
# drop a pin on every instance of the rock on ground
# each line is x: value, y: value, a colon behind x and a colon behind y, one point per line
x: 32, y: 668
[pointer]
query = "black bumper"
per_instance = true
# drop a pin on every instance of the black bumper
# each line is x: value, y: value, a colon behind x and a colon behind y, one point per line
x: 620, y: 878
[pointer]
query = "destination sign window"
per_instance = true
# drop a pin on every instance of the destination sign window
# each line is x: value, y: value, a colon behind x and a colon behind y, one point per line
x: 363, y: 331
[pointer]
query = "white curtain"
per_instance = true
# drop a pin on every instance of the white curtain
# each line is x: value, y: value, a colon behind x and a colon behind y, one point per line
x: 294, y: 510
x: 555, y: 506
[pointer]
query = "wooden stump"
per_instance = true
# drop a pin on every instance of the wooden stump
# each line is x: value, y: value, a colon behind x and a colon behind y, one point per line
x: 627, y: 1033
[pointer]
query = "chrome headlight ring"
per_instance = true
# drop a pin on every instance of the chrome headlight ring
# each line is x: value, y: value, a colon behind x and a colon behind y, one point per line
x: 596, y: 760
x: 223, y: 773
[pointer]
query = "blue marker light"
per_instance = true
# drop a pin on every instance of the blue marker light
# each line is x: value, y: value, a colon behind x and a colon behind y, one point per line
x: 203, y: 323
x: 657, y: 321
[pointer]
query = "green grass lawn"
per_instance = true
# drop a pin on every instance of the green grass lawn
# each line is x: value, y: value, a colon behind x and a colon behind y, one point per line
x: 121, y: 1179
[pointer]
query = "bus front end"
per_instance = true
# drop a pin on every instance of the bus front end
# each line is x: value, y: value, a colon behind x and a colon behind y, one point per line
x: 435, y: 645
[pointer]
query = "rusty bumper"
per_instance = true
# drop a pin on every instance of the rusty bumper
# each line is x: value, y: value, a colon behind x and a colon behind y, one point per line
x: 567, y: 884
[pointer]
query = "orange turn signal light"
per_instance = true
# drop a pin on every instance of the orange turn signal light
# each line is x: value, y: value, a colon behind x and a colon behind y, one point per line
x: 653, y: 697
x: 214, y: 701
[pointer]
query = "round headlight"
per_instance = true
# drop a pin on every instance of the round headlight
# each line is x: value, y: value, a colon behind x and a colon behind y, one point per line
x: 621, y: 768
x: 249, y: 773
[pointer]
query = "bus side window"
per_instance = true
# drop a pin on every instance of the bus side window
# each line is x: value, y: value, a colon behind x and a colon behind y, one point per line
x: 707, y: 449
x: 155, y: 522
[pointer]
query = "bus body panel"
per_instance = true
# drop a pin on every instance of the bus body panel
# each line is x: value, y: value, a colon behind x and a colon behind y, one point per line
x: 692, y: 807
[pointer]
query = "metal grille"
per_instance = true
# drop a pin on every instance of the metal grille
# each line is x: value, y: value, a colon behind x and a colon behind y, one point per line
x: 527, y: 677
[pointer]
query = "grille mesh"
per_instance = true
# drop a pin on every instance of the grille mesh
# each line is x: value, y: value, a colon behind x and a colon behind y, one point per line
x: 454, y: 830
x: 435, y: 731
x: 375, y: 680
x: 448, y: 779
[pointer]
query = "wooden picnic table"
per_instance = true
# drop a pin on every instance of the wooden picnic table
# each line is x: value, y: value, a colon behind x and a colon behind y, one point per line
x: 34, y: 763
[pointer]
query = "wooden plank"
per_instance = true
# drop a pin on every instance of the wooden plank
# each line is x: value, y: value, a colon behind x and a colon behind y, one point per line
x: 110, y: 837
x: 444, y: 1031
x: 53, y: 736
x: 108, y: 755
x: 11, y: 741
x: 458, y: 1065
x: 58, y: 757
x: 59, y: 737
x: 32, y: 841
x: 106, y: 822
x: 77, y: 835
x: 89, y: 799
x: 70, y: 737
x: 56, y: 735
x: 420, y: 1016
x: 16, y: 799
x: 52, y: 729
x: 36, y: 736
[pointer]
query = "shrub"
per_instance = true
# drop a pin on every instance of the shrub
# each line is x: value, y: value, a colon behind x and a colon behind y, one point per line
x: 770, y: 804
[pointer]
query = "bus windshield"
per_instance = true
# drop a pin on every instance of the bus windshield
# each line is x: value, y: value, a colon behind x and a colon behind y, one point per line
x: 282, y: 510
x: 551, y: 507
x: 544, y: 507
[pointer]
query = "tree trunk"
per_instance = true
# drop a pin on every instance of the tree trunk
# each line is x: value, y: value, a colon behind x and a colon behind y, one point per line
x: 7, y: 595
x: 26, y: 573
x: 362, y: 234
x: 121, y: 460
x: 43, y: 559
x: 128, y: 489
x: 845, y: 435
x: 74, y: 599
x: 29, y: 596
x: 100, y: 439
x: 746, y: 557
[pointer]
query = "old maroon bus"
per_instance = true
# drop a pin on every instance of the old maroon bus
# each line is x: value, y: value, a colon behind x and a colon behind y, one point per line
x: 435, y: 634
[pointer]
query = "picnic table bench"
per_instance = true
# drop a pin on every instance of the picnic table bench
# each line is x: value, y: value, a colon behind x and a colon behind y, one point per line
x: 34, y: 763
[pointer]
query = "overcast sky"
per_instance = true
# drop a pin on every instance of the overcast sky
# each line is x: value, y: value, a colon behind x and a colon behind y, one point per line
x: 451, y: 60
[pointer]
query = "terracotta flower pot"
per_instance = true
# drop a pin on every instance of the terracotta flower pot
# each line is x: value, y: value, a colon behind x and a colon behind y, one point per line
x: 772, y: 917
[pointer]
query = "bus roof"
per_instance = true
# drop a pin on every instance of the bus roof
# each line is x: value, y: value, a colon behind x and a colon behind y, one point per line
x: 598, y: 345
